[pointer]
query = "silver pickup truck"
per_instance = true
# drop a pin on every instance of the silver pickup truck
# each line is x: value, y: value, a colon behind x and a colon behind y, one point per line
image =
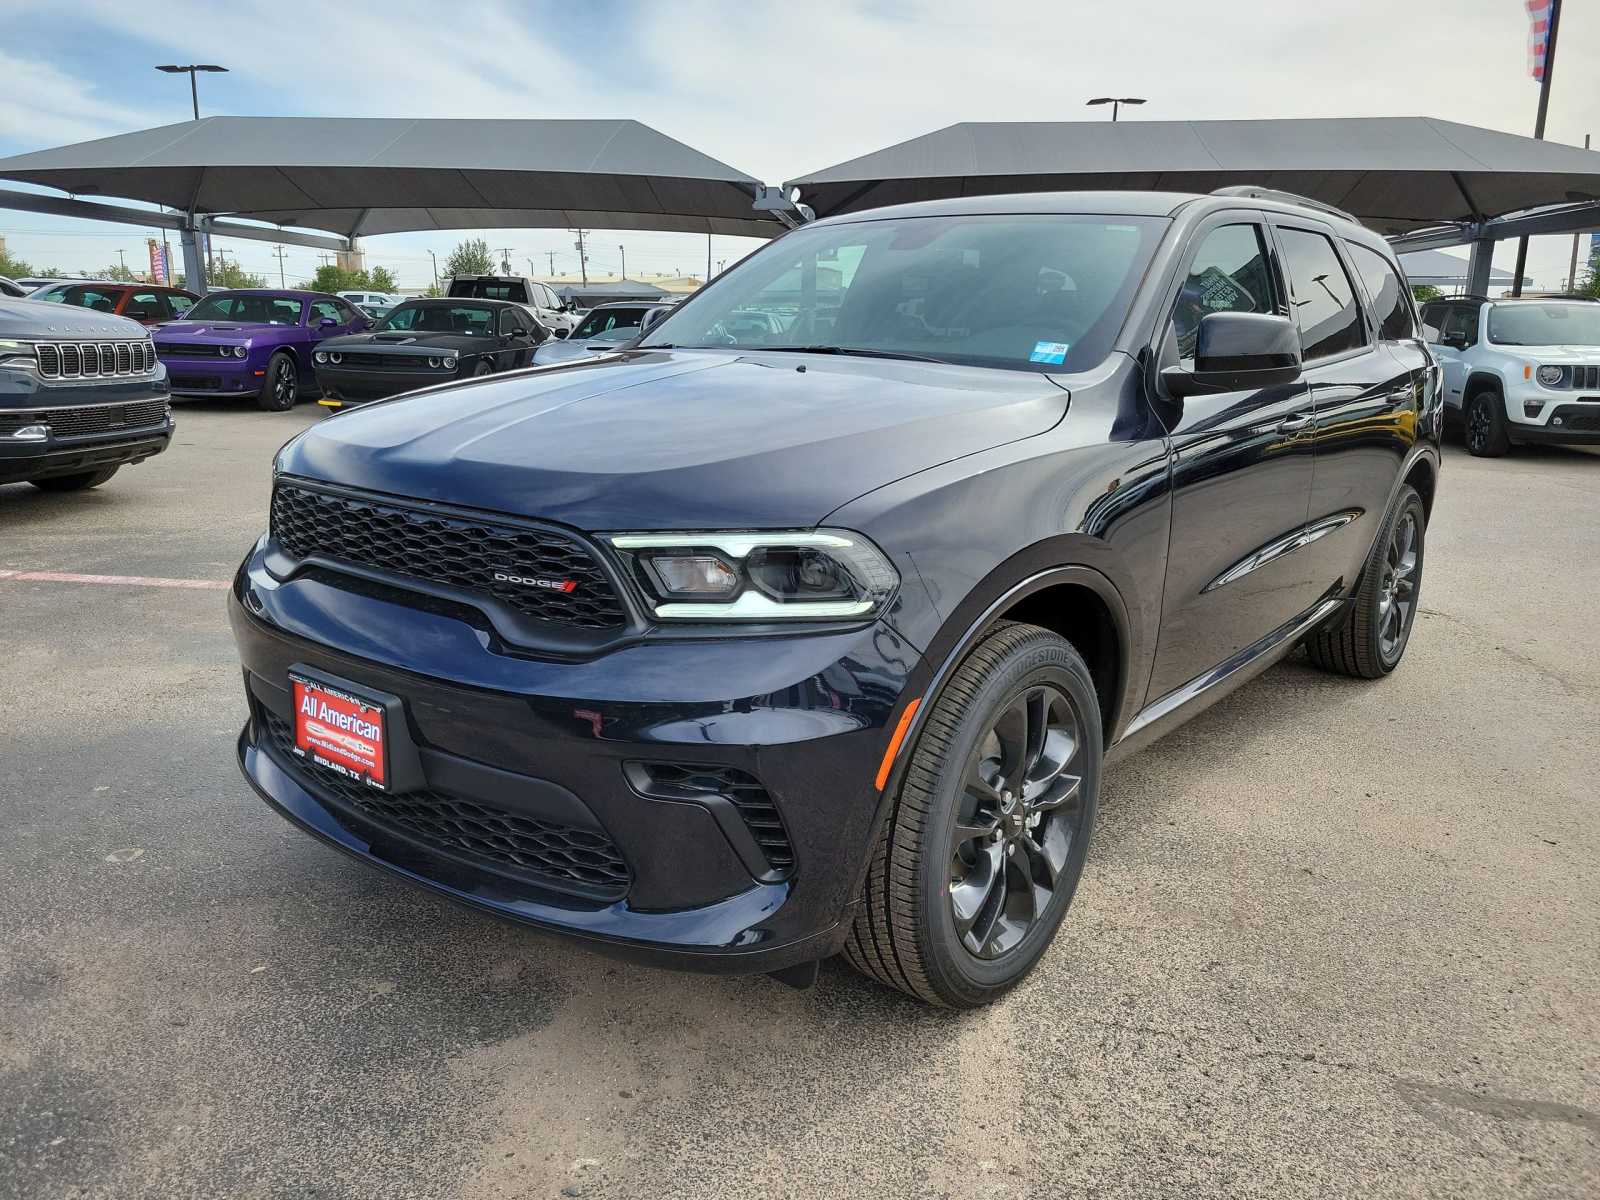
x: 81, y: 394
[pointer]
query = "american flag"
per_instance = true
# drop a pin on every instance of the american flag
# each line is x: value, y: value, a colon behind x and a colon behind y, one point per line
x: 1538, y: 36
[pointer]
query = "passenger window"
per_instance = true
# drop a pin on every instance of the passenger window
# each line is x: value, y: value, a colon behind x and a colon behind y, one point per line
x: 321, y: 309
x: 508, y: 322
x: 1391, y: 302
x: 1432, y: 317
x: 1230, y: 273
x: 179, y: 303
x: 145, y: 306
x: 1324, y: 301
x: 1460, y: 325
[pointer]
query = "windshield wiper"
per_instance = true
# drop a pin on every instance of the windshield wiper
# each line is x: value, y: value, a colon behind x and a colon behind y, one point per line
x: 853, y: 352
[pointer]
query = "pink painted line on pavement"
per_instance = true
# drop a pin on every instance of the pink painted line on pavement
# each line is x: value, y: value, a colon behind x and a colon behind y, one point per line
x: 114, y: 580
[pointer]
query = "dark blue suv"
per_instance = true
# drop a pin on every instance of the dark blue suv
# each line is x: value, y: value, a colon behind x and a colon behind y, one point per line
x: 807, y: 622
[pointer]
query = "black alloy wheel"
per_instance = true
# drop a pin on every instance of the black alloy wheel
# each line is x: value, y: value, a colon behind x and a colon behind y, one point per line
x: 979, y: 859
x: 281, y: 387
x: 1020, y: 811
x: 1486, y: 426
x: 1369, y: 636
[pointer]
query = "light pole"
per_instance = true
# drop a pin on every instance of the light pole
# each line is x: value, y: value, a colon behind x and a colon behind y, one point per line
x: 190, y: 70
x: 624, y: 252
x: 435, y: 258
x: 1116, y: 102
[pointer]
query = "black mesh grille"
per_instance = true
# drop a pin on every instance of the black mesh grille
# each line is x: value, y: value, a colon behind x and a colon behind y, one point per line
x: 1578, y: 418
x: 199, y: 383
x: 517, y: 843
x: 190, y: 350
x: 97, y: 418
x: 1586, y: 377
x: 451, y: 550
x: 749, y: 796
x: 389, y: 362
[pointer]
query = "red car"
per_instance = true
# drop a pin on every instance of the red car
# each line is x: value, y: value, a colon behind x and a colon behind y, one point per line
x: 147, y: 303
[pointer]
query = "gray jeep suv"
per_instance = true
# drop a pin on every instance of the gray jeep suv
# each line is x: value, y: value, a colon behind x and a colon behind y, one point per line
x: 81, y: 394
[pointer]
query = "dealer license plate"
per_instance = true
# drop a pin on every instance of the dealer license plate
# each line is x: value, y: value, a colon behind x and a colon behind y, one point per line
x: 341, y: 731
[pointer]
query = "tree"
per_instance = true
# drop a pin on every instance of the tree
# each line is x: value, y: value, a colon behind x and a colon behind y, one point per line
x: 331, y: 277
x: 380, y: 279
x: 232, y: 275
x: 1423, y: 292
x: 120, y: 272
x: 13, y: 268
x: 469, y: 258
x: 1589, y: 285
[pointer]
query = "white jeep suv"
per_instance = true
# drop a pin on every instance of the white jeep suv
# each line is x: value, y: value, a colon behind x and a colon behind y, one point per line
x: 1518, y: 370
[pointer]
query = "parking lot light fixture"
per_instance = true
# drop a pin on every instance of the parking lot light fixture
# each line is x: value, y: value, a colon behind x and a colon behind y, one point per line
x: 191, y: 70
x: 1116, y: 102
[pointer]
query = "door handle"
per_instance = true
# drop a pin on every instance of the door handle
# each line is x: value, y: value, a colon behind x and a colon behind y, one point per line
x: 1296, y: 423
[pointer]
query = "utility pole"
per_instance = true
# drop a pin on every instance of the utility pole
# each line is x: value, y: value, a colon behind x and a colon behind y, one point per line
x: 435, y: 258
x: 505, y: 260
x: 708, y: 258
x: 122, y: 258
x: 1538, y: 126
x: 278, y: 252
x: 1572, y: 268
x: 624, y: 251
x: 583, y: 256
x: 552, y: 255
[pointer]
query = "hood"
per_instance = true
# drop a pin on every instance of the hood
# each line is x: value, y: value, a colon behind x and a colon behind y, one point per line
x: 398, y: 342
x: 557, y: 350
x: 657, y: 439
x: 40, y: 319
x: 181, y: 331
x: 1553, y: 354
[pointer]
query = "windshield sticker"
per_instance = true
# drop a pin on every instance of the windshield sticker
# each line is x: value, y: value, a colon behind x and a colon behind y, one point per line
x: 1049, y: 352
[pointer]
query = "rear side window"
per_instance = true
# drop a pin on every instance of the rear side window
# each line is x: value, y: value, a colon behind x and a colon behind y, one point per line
x: 1230, y: 273
x: 146, y: 306
x: 1460, y: 325
x: 179, y: 303
x: 1324, y: 301
x: 1391, y: 303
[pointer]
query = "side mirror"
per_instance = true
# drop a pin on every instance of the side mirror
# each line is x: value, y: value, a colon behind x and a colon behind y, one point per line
x: 1455, y: 343
x: 560, y: 333
x: 327, y: 323
x: 1238, y: 351
x: 651, y: 319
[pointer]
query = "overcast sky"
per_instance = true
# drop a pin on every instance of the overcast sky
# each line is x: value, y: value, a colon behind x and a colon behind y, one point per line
x: 774, y: 89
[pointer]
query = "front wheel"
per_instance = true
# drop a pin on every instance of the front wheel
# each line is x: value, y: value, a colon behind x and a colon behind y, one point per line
x: 281, y: 387
x: 980, y: 858
x: 74, y: 483
x: 1486, y: 425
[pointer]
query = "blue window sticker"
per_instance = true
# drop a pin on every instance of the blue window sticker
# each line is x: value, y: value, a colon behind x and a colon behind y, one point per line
x: 1049, y: 352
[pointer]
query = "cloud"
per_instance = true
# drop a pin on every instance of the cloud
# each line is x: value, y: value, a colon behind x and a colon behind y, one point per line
x: 47, y: 107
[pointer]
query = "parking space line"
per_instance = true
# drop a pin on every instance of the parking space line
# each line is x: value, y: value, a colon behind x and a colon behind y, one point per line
x: 114, y: 580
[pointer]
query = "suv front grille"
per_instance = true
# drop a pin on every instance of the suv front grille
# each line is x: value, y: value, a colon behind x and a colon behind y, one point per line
x: 557, y: 856
x: 571, y: 589
x: 94, y: 360
x: 1587, y: 378
x: 682, y: 781
x: 88, y: 418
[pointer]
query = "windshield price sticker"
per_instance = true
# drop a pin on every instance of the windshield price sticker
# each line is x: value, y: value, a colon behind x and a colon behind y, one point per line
x: 1049, y: 352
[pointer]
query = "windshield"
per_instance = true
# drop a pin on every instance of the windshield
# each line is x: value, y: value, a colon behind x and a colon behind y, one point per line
x: 1525, y: 324
x: 439, y: 318
x: 1028, y: 292
x: 248, y: 308
x: 619, y: 322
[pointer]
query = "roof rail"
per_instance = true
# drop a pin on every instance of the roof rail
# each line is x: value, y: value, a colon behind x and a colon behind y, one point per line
x: 1264, y: 193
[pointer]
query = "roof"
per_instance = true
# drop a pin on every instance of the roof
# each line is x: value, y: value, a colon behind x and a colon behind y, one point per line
x: 1438, y: 269
x: 626, y: 290
x: 1393, y: 173
x: 358, y: 175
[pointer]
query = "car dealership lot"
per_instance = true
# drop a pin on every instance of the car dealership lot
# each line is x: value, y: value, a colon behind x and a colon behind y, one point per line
x: 1333, y: 937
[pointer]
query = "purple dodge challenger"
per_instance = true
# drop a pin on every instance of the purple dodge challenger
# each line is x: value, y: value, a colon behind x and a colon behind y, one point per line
x: 253, y: 342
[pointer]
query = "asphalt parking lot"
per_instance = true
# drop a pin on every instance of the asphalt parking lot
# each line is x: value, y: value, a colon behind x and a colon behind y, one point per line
x: 1334, y: 938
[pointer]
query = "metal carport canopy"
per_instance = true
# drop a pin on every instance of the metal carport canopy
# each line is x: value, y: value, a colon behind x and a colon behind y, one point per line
x: 359, y: 176
x: 1394, y: 173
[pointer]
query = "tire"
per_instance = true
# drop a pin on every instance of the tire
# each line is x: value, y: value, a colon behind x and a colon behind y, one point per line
x: 908, y: 933
x: 482, y: 369
x: 281, y: 388
x: 74, y: 483
x: 1365, y: 643
x: 1484, y: 424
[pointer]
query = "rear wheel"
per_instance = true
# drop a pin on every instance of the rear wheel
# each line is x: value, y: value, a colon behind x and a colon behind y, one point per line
x: 74, y: 483
x: 281, y: 387
x: 979, y: 861
x: 1371, y: 637
x: 1486, y: 434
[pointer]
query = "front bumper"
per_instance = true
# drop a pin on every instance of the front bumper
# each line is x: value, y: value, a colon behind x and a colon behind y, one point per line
x: 213, y: 377
x: 342, y: 388
x: 806, y: 716
x: 28, y: 460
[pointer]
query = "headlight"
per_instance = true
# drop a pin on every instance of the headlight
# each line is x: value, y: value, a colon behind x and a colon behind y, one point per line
x: 817, y: 575
x: 13, y: 349
x: 321, y: 356
x: 433, y: 361
x: 1550, y: 376
x: 448, y: 362
x: 335, y: 357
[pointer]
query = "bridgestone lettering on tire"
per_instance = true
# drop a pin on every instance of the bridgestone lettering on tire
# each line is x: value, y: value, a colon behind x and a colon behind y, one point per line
x: 963, y: 847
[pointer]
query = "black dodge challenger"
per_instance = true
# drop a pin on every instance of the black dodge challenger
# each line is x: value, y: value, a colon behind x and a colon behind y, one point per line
x: 423, y: 342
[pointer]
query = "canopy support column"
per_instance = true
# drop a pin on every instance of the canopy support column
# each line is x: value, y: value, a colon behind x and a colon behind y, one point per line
x: 1478, y: 266
x: 193, y: 239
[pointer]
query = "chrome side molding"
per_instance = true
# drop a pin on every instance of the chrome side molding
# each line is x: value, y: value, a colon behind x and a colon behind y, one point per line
x: 1287, y: 544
